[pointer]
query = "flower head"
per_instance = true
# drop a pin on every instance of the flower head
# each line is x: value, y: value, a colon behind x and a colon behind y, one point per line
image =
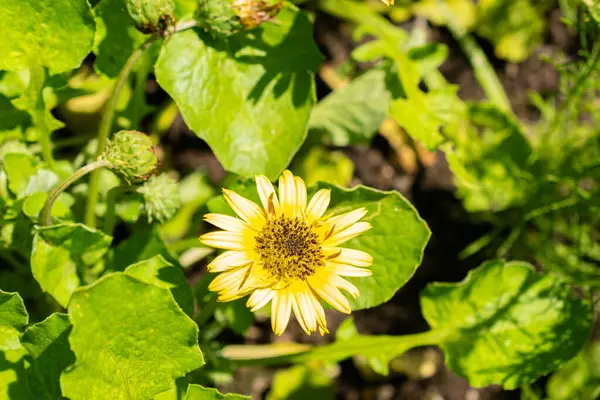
x: 287, y: 253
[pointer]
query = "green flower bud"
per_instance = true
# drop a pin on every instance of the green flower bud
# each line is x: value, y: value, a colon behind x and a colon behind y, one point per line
x: 151, y: 16
x: 231, y: 16
x: 161, y: 198
x: 131, y: 154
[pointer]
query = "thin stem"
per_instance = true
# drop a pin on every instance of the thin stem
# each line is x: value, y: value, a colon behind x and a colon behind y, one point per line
x: 109, y: 113
x: 105, y: 128
x: 110, y: 217
x: 46, y: 146
x: 392, y: 346
x: 484, y: 72
x: 46, y: 213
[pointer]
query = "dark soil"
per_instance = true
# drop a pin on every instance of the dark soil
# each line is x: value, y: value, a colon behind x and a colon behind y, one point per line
x: 430, y: 190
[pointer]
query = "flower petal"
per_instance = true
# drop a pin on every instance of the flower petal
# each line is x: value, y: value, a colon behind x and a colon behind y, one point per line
x: 304, y: 311
x: 331, y: 295
x: 287, y: 194
x: 248, y: 210
x: 259, y: 298
x: 300, y: 195
x: 229, y: 282
x: 266, y: 191
x: 348, y: 256
x: 341, y: 283
x: 226, y: 222
x: 281, y: 310
x: 345, y: 220
x: 347, y: 270
x: 318, y: 205
x: 347, y: 234
x: 227, y: 240
x: 230, y: 260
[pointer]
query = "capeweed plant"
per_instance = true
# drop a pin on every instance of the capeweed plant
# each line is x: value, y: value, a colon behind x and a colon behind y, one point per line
x: 99, y: 240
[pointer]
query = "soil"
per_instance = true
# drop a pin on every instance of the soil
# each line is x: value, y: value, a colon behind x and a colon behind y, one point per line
x: 430, y: 190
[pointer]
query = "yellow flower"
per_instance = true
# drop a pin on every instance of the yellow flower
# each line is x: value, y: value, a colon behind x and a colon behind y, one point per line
x: 388, y: 2
x: 287, y: 253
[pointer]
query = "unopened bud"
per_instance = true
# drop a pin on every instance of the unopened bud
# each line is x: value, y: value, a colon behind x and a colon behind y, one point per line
x: 252, y: 13
x: 231, y: 16
x: 161, y: 198
x: 131, y: 154
x: 151, y: 16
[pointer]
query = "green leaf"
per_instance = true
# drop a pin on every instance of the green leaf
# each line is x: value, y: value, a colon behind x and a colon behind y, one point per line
x: 248, y: 96
x: 515, y: 27
x: 396, y: 252
x: 354, y: 113
x: 579, y: 379
x: 197, y: 392
x: 19, y: 168
x: 159, y: 272
x: 143, y: 244
x: 301, y: 382
x: 320, y: 164
x: 59, y: 251
x: 116, y: 37
x: 129, y: 349
x: 47, y: 343
x: 13, y: 318
x: 13, y: 375
x: 505, y: 324
x: 57, y: 34
x: 491, y: 163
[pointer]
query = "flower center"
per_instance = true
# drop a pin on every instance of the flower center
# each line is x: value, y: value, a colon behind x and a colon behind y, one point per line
x: 289, y: 249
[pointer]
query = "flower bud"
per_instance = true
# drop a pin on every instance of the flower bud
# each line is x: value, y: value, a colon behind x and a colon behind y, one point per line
x: 151, y: 16
x: 161, y: 198
x: 131, y: 154
x: 231, y: 16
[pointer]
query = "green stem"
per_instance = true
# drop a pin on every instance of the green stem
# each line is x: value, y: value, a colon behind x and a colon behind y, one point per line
x: 46, y: 146
x: 110, y: 218
x: 46, y: 213
x: 109, y: 113
x: 105, y: 128
x: 484, y: 72
x: 280, y: 353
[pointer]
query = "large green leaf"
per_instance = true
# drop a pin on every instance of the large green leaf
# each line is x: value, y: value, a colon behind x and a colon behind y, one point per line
x: 19, y: 168
x: 396, y: 240
x: 321, y: 164
x: 507, y: 325
x: 59, y: 251
x: 579, y: 379
x: 116, y: 37
x: 13, y: 318
x: 131, y: 341
x: 353, y: 113
x: 248, y: 96
x: 158, y: 271
x: 13, y: 375
x: 57, y: 34
x: 47, y: 343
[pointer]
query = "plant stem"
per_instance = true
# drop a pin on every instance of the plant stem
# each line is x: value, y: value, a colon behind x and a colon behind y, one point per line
x: 46, y: 213
x: 484, y: 72
x: 110, y: 218
x: 106, y: 125
x: 365, y: 345
x: 46, y: 146
x: 109, y: 113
